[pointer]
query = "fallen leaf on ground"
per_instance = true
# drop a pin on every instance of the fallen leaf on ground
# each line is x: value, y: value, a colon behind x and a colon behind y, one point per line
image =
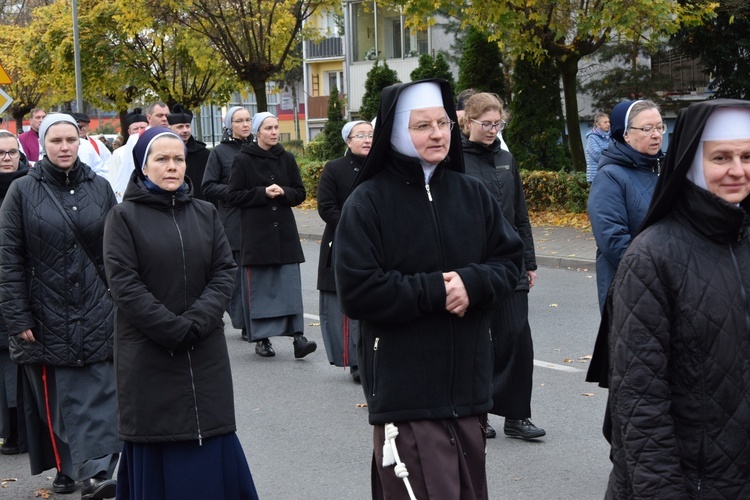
x: 43, y: 493
x: 361, y: 405
x: 313, y: 324
x: 587, y: 394
x: 567, y: 360
x: 560, y: 218
x: 553, y: 305
x: 585, y: 357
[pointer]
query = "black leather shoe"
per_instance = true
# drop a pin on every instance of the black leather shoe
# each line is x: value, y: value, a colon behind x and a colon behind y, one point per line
x: 63, y: 484
x: 243, y: 334
x: 263, y: 348
x: 98, y: 487
x: 303, y: 347
x: 523, y: 429
x: 489, y: 432
x: 354, y: 370
x: 10, y: 446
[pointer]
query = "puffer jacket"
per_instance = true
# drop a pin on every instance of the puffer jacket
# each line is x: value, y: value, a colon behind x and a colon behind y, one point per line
x: 215, y: 181
x: 171, y: 273
x: 618, y: 201
x: 497, y: 170
x: 49, y: 283
x: 680, y: 356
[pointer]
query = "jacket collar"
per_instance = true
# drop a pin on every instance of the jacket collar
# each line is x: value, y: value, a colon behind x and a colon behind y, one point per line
x: 710, y: 215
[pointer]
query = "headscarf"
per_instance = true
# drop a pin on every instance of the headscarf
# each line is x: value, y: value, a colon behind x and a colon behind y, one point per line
x: 50, y: 120
x: 381, y: 143
x: 726, y: 124
x: 258, y: 120
x: 228, y: 117
x: 619, y: 120
x: 683, y: 146
x: 347, y: 129
x: 146, y: 140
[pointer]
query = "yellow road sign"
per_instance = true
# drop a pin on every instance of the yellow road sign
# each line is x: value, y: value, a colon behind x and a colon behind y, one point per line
x: 4, y: 78
x: 5, y: 101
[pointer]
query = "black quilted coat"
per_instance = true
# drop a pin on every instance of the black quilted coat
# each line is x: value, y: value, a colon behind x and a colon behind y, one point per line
x: 49, y: 283
x: 680, y: 342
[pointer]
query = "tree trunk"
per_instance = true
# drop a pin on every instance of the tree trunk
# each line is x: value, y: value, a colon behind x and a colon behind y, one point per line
x: 19, y: 122
x: 123, y: 123
x: 569, y: 71
x: 259, y: 88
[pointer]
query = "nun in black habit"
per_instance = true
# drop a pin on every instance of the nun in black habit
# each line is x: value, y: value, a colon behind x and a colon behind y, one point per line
x: 679, y: 335
x: 422, y: 254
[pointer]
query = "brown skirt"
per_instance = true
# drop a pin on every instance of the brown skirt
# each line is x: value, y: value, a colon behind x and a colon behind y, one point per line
x: 445, y: 459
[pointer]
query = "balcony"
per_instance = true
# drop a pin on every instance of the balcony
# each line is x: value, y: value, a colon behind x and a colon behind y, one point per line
x: 324, y: 49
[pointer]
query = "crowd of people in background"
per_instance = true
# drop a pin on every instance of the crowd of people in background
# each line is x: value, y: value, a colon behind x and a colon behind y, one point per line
x: 118, y: 263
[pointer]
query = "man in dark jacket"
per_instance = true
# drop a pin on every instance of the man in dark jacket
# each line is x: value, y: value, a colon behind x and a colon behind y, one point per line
x: 180, y: 120
x: 422, y: 253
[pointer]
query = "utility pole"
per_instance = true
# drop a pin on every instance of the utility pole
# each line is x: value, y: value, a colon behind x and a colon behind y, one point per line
x: 77, y: 59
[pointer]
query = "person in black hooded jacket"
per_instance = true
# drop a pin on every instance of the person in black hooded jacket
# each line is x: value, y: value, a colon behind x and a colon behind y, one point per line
x: 486, y: 160
x: 13, y: 165
x: 679, y: 336
x: 237, y: 127
x: 422, y: 254
x: 171, y: 274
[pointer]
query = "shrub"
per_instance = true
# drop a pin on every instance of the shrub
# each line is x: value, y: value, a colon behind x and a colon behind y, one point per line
x: 545, y: 190
x: 378, y: 78
x: 310, y: 171
x: 433, y: 67
x: 296, y: 147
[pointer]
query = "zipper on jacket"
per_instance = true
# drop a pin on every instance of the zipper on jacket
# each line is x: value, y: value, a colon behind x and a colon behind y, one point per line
x: 374, y: 365
x: 429, y: 194
x: 195, y: 400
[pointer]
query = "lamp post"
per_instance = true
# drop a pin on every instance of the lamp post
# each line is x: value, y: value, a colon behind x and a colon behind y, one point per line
x: 77, y: 59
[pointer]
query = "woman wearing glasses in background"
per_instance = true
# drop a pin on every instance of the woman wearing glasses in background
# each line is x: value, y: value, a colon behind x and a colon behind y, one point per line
x: 13, y: 164
x: 620, y: 195
x: 340, y: 334
x: 485, y: 159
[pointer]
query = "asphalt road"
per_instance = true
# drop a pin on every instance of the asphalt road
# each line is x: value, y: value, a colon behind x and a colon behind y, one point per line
x: 306, y: 437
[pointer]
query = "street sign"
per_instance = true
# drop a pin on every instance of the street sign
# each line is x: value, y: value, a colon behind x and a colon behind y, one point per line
x: 4, y: 78
x: 5, y: 101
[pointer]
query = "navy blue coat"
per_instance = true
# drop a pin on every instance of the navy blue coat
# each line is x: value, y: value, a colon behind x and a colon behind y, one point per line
x: 618, y: 202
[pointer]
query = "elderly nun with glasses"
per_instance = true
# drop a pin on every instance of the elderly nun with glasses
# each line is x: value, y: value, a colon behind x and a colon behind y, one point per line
x: 422, y: 254
x: 340, y: 333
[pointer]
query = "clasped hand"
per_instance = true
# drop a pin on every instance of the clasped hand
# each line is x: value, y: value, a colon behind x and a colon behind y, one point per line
x: 456, y: 297
x: 274, y: 190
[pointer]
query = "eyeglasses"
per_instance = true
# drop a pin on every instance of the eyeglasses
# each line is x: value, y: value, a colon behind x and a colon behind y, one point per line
x: 444, y: 125
x: 246, y: 120
x: 661, y: 128
x: 361, y: 137
x: 13, y: 153
x: 488, y: 126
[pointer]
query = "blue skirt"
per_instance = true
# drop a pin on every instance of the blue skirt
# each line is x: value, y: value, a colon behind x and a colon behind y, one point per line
x: 184, y: 470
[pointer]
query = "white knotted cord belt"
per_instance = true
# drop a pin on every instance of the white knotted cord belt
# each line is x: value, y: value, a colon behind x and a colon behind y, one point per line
x: 390, y: 457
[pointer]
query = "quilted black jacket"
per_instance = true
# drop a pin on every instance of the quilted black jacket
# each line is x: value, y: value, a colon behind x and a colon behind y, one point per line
x: 49, y: 283
x: 680, y: 356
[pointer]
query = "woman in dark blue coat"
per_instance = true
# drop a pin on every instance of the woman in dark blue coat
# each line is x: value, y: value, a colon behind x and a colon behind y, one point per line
x: 171, y: 274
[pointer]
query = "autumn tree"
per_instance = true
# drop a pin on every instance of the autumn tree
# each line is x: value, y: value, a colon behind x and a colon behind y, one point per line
x: 565, y: 32
x: 28, y: 89
x: 255, y: 38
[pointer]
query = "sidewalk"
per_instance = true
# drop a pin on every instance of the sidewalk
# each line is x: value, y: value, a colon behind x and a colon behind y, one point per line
x: 555, y: 246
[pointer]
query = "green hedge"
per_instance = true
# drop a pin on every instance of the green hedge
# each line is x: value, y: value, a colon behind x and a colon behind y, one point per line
x: 561, y: 190
x: 544, y: 190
